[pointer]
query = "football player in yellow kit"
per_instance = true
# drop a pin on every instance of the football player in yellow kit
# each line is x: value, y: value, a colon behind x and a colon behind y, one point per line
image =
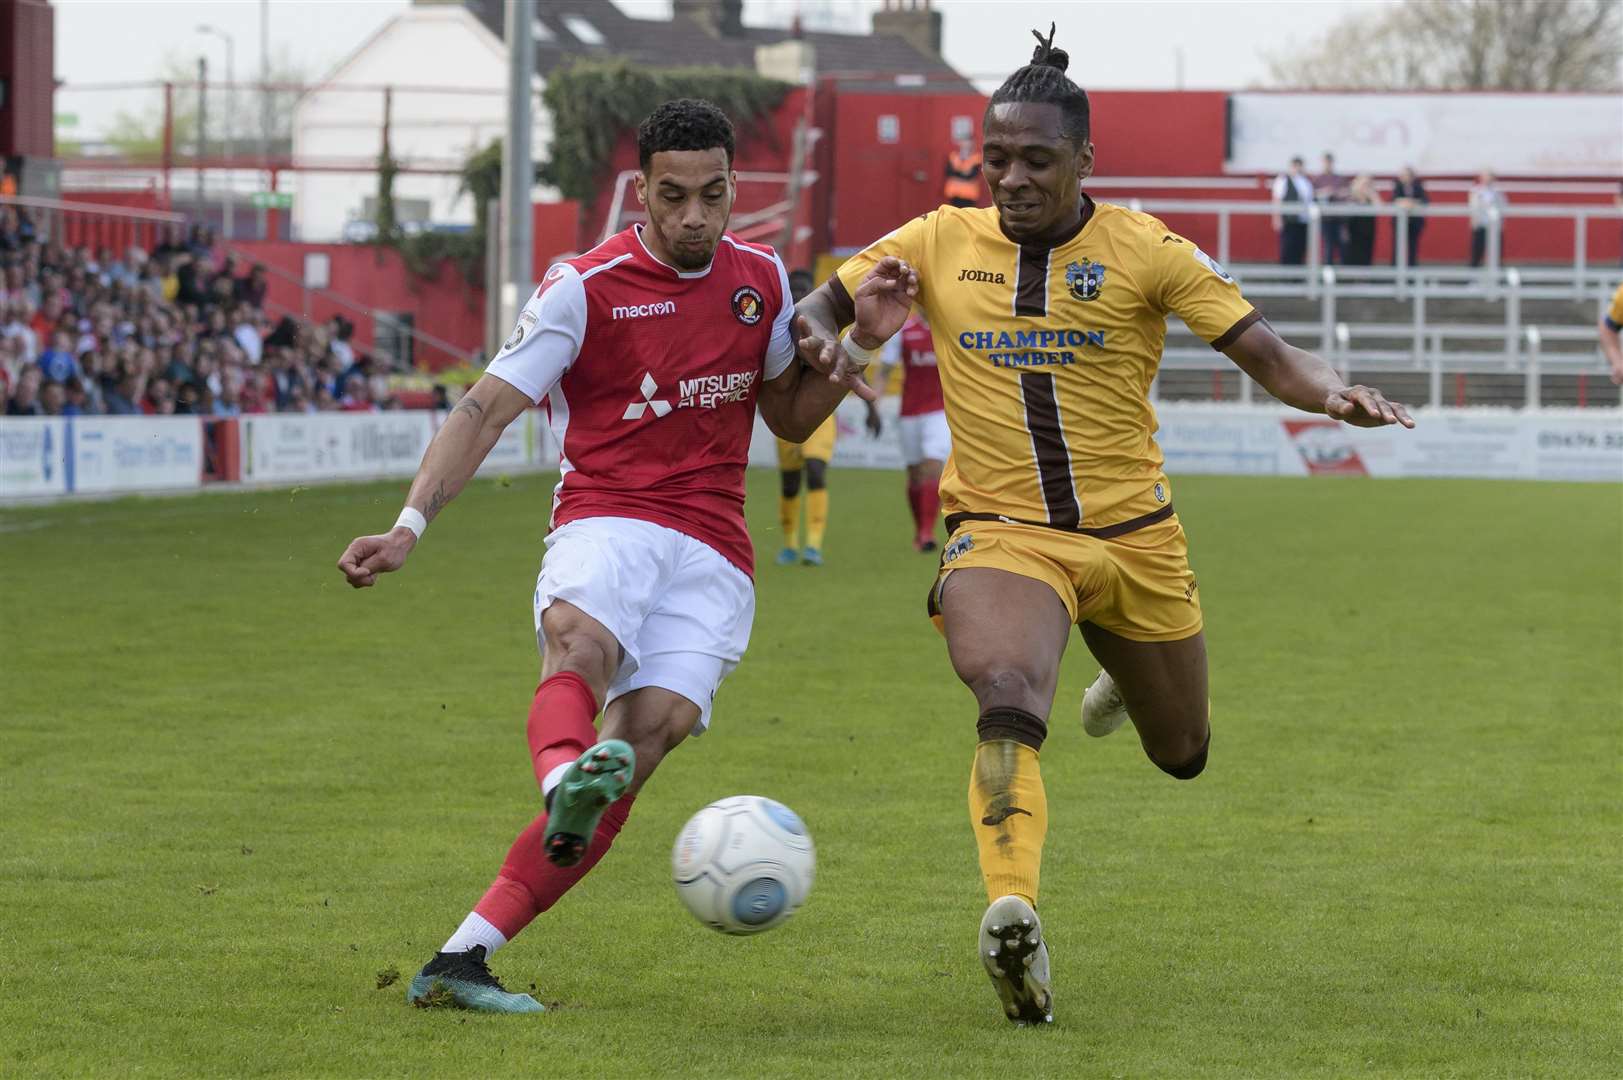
x: 1049, y: 317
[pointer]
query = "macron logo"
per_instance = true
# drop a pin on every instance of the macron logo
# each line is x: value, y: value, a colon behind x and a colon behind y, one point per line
x: 649, y: 387
x: 638, y: 311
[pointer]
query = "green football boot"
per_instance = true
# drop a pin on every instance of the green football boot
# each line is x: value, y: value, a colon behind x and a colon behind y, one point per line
x: 590, y: 786
x: 463, y: 981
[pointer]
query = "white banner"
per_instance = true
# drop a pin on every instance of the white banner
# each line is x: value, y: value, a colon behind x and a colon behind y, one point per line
x: 333, y: 446
x: 525, y: 444
x: 33, y: 457
x: 853, y: 446
x: 1512, y: 134
x: 136, y: 453
x: 1238, y: 440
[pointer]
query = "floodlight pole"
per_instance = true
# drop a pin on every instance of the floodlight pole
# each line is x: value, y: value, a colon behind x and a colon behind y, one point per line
x: 230, y: 100
x: 518, y: 169
x: 202, y: 126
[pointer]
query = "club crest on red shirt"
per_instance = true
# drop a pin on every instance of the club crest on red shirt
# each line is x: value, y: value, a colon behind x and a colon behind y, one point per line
x: 748, y: 305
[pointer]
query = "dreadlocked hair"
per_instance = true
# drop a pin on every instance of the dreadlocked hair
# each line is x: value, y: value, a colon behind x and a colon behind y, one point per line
x: 1043, y: 82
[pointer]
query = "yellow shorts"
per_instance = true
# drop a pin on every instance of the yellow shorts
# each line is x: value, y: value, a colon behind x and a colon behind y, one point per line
x: 1137, y: 585
x: 792, y: 456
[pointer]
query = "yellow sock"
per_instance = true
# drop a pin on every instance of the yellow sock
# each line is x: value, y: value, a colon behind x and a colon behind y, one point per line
x: 1009, y: 813
x: 789, y: 518
x: 816, y: 517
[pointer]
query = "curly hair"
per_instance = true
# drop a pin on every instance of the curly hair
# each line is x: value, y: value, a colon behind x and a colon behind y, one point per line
x: 1043, y: 81
x: 684, y: 124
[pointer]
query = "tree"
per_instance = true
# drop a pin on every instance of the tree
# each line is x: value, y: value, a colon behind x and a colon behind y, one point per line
x: 1464, y: 45
x: 594, y: 103
x: 139, y: 134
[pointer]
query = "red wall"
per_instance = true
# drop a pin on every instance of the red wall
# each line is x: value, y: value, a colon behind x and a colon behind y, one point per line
x: 554, y: 226
x: 874, y: 186
x: 27, y: 35
x: 762, y: 147
x: 445, y: 305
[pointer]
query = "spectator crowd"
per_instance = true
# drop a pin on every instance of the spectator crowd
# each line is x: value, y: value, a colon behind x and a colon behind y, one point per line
x: 173, y: 330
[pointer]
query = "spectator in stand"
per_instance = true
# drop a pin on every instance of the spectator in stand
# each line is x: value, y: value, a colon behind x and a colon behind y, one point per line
x: 247, y: 334
x: 251, y: 290
x: 1487, y: 204
x: 342, y: 329
x: 58, y: 363
x: 24, y: 399
x: 159, y: 399
x: 88, y: 395
x: 122, y: 399
x: 46, y: 315
x: 78, y: 400
x: 173, y: 242
x: 53, y: 397
x: 16, y: 328
x: 324, y: 400
x: 1360, y: 241
x: 1330, y: 189
x: 1293, y: 193
x: 356, y: 397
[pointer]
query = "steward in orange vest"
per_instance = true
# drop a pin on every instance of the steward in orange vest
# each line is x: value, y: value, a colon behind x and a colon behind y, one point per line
x: 963, y: 184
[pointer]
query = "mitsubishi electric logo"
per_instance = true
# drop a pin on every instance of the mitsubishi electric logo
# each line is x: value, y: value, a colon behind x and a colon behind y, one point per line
x: 635, y: 410
x: 703, y: 392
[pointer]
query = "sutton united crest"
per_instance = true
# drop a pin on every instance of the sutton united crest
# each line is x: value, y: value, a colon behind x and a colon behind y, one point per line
x: 1084, y: 279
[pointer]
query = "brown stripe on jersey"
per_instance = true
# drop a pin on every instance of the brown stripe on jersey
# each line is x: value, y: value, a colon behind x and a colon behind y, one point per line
x: 1048, y: 444
x: 845, y: 309
x: 1232, y: 334
x: 1031, y: 283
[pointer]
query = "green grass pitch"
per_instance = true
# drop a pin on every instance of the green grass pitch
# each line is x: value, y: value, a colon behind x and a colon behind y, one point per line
x: 233, y: 791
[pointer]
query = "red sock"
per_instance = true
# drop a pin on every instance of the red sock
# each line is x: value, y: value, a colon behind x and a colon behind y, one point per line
x: 560, y: 726
x: 528, y: 884
x: 913, y: 504
x: 929, y: 507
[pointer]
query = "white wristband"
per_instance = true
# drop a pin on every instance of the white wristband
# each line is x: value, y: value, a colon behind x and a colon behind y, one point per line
x: 413, y: 520
x: 857, y: 352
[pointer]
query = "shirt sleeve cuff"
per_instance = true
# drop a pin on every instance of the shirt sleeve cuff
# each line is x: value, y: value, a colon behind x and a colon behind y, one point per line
x: 1232, y: 334
x: 845, y: 309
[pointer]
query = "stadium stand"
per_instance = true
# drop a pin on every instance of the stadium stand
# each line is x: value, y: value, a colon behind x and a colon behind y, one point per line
x: 170, y: 328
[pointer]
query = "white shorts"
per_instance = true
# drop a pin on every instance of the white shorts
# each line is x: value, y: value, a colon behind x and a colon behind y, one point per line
x: 925, y: 437
x: 680, y: 611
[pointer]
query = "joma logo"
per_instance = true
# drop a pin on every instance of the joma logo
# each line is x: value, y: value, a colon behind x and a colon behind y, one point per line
x: 980, y: 275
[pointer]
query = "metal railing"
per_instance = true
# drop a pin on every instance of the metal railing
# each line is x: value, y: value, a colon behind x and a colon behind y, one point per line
x: 95, y: 225
x: 1578, y: 272
x: 379, y: 318
x: 1504, y: 360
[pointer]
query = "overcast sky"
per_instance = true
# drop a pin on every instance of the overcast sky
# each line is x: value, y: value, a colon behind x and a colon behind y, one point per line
x: 1112, y: 44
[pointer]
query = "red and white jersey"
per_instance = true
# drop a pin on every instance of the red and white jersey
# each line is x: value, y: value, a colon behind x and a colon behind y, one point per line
x: 914, y: 349
x: 650, y: 375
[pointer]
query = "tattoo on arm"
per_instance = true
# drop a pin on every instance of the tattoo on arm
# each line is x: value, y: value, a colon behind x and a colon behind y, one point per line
x: 436, y: 502
x: 471, y: 407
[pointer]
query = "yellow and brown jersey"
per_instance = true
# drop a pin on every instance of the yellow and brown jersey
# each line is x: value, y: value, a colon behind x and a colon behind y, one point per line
x: 1046, y: 354
x: 1614, y: 314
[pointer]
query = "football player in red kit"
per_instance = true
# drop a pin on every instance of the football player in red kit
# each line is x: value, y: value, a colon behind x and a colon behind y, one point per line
x: 651, y: 352
x: 926, y: 440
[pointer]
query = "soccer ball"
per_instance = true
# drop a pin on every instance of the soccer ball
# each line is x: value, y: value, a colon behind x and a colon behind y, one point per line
x: 744, y: 864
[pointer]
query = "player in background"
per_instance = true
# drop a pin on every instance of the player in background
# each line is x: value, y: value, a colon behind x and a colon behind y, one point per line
x: 651, y: 352
x: 1049, y: 314
x: 922, y: 424
x: 811, y: 457
x: 1610, y: 323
